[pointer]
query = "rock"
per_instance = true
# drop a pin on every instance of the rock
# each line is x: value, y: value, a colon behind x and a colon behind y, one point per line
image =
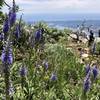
x: 73, y: 36
x: 85, y: 55
x: 97, y: 39
x: 84, y: 40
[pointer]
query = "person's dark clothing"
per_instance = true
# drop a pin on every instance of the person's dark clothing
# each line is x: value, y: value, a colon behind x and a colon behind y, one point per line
x: 91, y: 38
x: 99, y: 33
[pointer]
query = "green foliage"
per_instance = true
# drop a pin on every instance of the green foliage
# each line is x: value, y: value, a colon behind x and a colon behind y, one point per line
x: 61, y: 60
x: 37, y: 84
x: 98, y: 47
x: 1, y: 3
x: 1, y: 13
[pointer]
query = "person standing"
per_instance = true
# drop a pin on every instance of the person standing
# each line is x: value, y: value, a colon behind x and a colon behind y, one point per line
x: 91, y: 38
x: 99, y: 33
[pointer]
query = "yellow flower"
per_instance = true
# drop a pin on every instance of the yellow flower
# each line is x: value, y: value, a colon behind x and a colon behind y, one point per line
x: 46, y: 77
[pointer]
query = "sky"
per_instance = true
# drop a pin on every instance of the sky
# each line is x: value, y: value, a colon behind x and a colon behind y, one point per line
x: 57, y: 9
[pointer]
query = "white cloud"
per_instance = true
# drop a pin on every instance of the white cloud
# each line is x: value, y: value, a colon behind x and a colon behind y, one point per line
x: 58, y: 6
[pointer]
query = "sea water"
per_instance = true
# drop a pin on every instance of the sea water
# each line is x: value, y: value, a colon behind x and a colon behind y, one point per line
x: 94, y: 25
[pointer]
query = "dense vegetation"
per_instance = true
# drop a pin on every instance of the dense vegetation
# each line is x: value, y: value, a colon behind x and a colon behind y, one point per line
x: 37, y: 63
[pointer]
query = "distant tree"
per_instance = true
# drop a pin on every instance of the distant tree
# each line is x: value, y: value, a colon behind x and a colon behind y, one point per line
x: 1, y: 13
x: 1, y: 3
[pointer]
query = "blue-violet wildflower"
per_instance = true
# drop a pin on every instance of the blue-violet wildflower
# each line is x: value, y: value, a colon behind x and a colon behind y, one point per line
x: 86, y: 84
x: 1, y: 36
x: 87, y: 68
x: 23, y: 71
x: 53, y: 77
x: 38, y: 35
x: 45, y: 63
x: 12, y: 18
x: 7, y: 56
x: 12, y: 14
x: 95, y: 71
x: 17, y: 31
x: 6, y: 26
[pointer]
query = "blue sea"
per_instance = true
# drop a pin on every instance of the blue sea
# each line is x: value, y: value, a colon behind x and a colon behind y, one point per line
x: 95, y: 24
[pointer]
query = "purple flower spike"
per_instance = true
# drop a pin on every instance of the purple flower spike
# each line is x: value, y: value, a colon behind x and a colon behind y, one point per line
x: 12, y: 18
x: 17, y: 32
x: 38, y: 35
x: 23, y: 71
x: 87, y: 68
x: 45, y: 63
x: 53, y: 77
x: 12, y: 14
x: 1, y: 36
x: 7, y: 56
x: 95, y: 71
x: 86, y: 84
x: 6, y: 26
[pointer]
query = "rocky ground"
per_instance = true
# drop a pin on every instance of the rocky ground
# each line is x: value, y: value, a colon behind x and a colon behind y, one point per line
x: 82, y: 51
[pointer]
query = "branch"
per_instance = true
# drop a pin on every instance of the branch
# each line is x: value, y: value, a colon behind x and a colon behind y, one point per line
x: 6, y: 4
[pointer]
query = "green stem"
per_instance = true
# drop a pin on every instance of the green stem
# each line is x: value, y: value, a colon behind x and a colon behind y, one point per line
x: 84, y: 96
x: 7, y: 83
